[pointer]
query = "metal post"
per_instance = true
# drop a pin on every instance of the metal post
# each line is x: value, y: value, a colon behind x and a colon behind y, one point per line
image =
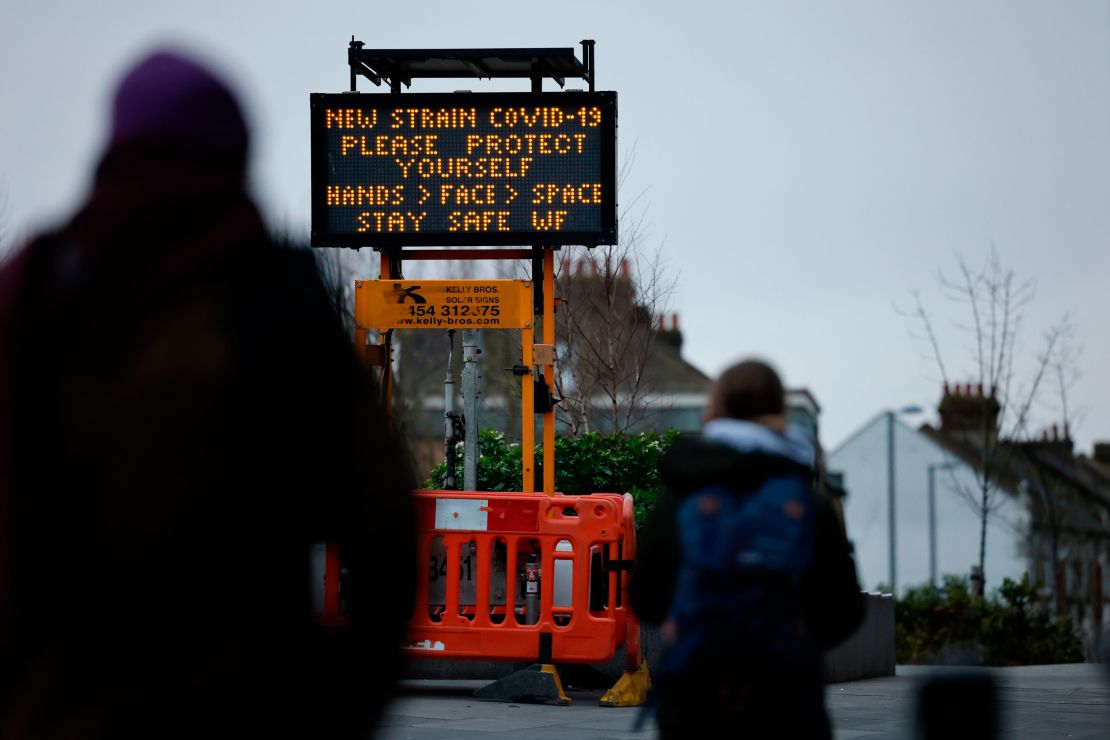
x: 386, y: 269
x: 528, y: 410
x: 892, y: 523
x: 532, y: 576
x: 933, y: 570
x: 449, y: 439
x: 354, y: 47
x: 548, y: 310
x: 470, y: 393
x: 588, y: 60
x: 932, y: 525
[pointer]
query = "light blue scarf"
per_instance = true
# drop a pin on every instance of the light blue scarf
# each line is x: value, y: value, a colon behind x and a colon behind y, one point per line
x: 747, y: 436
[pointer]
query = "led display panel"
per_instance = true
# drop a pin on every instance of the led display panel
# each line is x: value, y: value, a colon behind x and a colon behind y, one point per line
x: 463, y: 169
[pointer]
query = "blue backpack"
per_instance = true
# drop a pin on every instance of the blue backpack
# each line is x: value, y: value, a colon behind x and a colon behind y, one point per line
x: 737, y: 604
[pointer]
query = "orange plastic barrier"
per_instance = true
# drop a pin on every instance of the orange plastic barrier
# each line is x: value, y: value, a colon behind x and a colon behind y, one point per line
x: 504, y: 570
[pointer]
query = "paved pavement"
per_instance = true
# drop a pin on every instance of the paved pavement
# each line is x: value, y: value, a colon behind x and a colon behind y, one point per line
x: 1037, y: 702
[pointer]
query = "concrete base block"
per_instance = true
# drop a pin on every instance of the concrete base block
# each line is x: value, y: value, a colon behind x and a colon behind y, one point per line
x: 869, y: 653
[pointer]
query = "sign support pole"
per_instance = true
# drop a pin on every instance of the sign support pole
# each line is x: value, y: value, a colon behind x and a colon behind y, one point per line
x: 549, y: 370
x: 387, y: 350
x: 471, y: 392
x: 528, y: 409
x: 395, y: 303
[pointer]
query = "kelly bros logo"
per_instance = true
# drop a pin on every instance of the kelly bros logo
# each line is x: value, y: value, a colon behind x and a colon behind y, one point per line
x: 410, y: 292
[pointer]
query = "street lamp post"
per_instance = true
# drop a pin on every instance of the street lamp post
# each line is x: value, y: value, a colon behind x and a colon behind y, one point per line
x: 933, y: 468
x: 890, y: 502
x: 893, y: 522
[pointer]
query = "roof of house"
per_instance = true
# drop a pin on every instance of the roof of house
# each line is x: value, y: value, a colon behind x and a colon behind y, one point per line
x: 1082, y: 490
x: 667, y: 371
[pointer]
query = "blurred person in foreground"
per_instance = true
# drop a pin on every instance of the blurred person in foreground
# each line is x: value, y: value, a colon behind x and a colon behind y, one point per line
x: 746, y: 566
x: 181, y: 417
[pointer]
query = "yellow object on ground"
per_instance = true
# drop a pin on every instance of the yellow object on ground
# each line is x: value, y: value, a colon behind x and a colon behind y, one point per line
x: 630, y: 690
x: 560, y: 695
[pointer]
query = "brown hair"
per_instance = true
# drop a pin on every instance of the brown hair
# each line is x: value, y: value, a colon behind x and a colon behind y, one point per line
x: 748, y: 390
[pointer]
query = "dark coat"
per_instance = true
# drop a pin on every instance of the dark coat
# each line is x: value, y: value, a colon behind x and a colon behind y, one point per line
x: 832, y: 603
x: 184, y: 417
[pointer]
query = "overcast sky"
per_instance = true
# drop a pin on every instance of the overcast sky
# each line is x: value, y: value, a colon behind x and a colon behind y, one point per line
x: 806, y: 165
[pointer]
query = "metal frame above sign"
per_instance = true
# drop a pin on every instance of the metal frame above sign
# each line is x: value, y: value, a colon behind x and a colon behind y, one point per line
x: 572, y: 140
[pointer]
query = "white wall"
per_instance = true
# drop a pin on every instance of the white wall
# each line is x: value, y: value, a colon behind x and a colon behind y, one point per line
x: 863, y: 461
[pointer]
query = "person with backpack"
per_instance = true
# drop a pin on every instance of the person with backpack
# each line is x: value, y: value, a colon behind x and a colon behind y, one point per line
x: 746, y: 566
x: 183, y: 418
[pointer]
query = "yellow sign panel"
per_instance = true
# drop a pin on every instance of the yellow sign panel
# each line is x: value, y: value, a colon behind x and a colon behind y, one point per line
x: 443, y: 304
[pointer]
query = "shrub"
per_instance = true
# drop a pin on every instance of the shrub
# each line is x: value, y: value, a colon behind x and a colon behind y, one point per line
x: 1011, y: 627
x: 591, y: 463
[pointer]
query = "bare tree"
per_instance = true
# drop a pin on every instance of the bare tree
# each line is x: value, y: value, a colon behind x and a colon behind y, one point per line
x: 607, y: 324
x: 1050, y: 492
x: 994, y: 302
x: 609, y: 300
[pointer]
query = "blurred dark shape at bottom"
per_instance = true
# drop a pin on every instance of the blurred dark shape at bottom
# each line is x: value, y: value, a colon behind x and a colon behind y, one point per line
x: 957, y: 705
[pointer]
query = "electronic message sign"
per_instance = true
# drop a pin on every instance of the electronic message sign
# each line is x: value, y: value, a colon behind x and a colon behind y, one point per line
x: 458, y: 169
x: 444, y: 304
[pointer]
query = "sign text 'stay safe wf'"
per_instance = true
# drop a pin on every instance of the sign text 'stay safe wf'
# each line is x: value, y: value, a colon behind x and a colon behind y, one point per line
x: 451, y: 169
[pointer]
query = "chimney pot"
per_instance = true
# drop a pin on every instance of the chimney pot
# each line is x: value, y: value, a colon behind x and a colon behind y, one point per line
x: 1055, y: 433
x: 674, y: 321
x: 958, y: 413
x: 1101, y: 452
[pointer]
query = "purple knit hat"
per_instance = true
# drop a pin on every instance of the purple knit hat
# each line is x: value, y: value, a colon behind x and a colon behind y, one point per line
x: 167, y: 96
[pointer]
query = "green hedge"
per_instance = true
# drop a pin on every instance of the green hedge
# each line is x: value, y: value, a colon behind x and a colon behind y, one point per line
x: 1011, y: 627
x: 591, y: 463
